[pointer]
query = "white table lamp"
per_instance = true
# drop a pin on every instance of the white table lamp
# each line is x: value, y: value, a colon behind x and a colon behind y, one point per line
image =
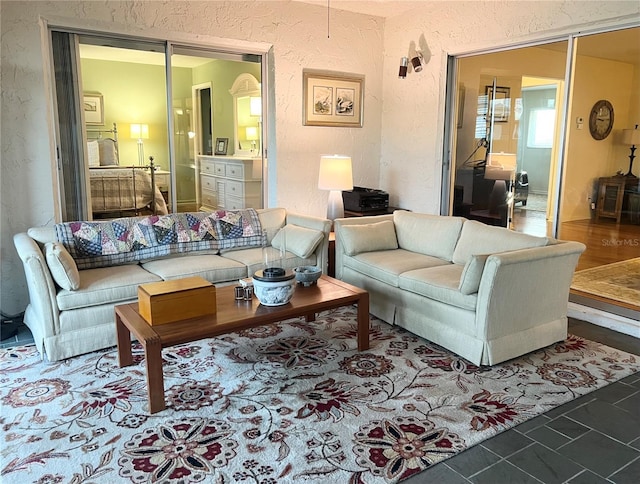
x: 140, y: 132
x: 335, y: 176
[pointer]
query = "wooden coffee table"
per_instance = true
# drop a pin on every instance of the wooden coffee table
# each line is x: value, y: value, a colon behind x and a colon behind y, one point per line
x: 231, y: 316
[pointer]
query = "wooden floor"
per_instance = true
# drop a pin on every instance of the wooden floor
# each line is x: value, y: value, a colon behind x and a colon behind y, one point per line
x: 607, y: 242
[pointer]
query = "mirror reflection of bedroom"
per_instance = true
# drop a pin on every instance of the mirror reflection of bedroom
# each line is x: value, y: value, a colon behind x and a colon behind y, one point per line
x: 137, y: 153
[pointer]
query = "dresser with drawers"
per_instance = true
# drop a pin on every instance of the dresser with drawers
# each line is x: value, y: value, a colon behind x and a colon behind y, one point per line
x: 229, y: 183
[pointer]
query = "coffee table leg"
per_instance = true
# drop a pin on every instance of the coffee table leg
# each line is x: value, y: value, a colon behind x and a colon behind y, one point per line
x: 125, y: 358
x: 155, y: 378
x: 363, y: 322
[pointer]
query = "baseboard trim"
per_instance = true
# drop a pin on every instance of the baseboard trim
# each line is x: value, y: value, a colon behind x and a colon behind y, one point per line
x: 605, y: 319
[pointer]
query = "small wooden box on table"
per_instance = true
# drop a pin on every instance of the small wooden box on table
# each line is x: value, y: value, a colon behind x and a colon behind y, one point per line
x: 230, y: 316
x: 169, y: 301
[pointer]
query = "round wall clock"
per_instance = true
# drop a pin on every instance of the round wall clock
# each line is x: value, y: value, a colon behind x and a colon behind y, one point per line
x: 601, y: 119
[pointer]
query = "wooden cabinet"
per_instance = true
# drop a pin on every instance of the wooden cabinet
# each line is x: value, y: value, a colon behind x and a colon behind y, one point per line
x: 611, y: 196
x: 229, y: 183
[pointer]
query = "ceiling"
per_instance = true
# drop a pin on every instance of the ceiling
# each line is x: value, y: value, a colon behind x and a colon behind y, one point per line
x: 378, y: 8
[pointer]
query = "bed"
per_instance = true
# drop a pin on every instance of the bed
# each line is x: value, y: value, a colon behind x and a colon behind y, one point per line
x: 116, y: 188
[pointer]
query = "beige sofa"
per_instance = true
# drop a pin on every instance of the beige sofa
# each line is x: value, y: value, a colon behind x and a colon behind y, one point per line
x: 486, y: 293
x: 71, y: 308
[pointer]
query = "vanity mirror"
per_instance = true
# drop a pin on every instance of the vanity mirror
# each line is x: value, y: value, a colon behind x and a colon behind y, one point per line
x: 247, y: 116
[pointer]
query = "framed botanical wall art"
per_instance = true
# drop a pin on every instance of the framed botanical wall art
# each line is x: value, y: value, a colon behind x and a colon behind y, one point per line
x: 332, y: 98
x: 93, y: 106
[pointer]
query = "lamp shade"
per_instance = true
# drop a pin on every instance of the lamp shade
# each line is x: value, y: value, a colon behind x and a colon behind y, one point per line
x: 631, y: 137
x: 255, y: 106
x: 252, y: 133
x: 335, y: 173
x: 140, y: 131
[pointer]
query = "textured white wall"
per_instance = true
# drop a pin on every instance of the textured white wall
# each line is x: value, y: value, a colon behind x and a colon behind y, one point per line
x: 399, y: 148
x: 298, y: 34
x: 413, y: 108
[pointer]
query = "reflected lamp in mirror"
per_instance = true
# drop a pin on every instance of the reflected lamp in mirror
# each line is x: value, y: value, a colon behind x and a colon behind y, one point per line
x: 335, y: 175
x: 255, y: 106
x: 631, y: 137
x: 139, y: 132
x: 252, y: 135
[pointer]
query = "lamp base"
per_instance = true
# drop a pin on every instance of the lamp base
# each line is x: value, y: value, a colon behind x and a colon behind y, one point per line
x: 335, y: 207
x: 632, y: 157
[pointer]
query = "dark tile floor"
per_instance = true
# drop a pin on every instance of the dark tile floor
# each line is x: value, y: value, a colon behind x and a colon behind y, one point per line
x: 593, y: 439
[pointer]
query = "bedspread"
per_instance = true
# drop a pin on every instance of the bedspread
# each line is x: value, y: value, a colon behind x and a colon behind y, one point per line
x: 118, y: 189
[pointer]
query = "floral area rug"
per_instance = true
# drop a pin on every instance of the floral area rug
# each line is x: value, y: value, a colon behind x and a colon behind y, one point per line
x: 277, y: 404
x: 619, y: 281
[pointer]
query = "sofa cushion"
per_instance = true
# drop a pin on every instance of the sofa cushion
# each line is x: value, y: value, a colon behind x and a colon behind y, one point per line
x: 42, y: 235
x: 62, y: 266
x: 254, y: 260
x: 110, y: 242
x: 300, y: 241
x: 478, y: 238
x: 439, y: 283
x: 472, y: 273
x: 387, y: 265
x: 213, y: 268
x: 433, y: 235
x: 106, y: 285
x: 272, y: 220
x: 368, y: 237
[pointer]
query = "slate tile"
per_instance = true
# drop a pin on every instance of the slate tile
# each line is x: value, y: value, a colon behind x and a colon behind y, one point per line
x: 534, y: 423
x: 614, y: 392
x: 544, y: 464
x: 588, y: 477
x: 628, y: 475
x: 507, y: 443
x: 599, y: 453
x: 569, y: 406
x: 503, y: 472
x: 568, y: 427
x: 631, y: 404
x: 549, y: 437
x: 473, y: 460
x: 438, y: 473
x: 608, y: 419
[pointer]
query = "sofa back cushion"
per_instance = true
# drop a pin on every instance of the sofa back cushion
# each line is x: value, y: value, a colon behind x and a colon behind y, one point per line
x: 300, y: 241
x: 272, y: 220
x: 472, y: 273
x: 120, y: 241
x: 478, y: 238
x: 368, y: 237
x: 433, y: 235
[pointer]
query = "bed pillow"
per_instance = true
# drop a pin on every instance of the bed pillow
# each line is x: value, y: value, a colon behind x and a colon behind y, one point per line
x: 368, y: 237
x: 93, y: 151
x: 62, y: 266
x: 472, y: 273
x: 300, y: 241
x: 108, y: 152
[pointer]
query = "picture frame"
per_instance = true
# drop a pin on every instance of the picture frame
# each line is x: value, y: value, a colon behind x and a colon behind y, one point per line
x: 334, y: 99
x: 93, y: 107
x: 221, y: 146
x: 461, y: 94
x: 499, y: 103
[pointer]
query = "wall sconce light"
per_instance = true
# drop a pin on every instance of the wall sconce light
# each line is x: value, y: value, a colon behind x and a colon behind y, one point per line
x: 416, y: 61
x: 140, y: 132
x: 404, y: 61
x: 335, y: 175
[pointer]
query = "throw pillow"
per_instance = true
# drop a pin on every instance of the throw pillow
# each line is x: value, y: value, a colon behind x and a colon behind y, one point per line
x: 472, y: 273
x: 108, y: 152
x: 93, y: 150
x: 368, y: 237
x: 62, y: 266
x: 300, y: 241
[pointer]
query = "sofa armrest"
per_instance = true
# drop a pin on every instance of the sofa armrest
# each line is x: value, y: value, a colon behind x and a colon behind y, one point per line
x: 42, y: 313
x: 522, y: 289
x: 342, y: 222
x: 315, y: 223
